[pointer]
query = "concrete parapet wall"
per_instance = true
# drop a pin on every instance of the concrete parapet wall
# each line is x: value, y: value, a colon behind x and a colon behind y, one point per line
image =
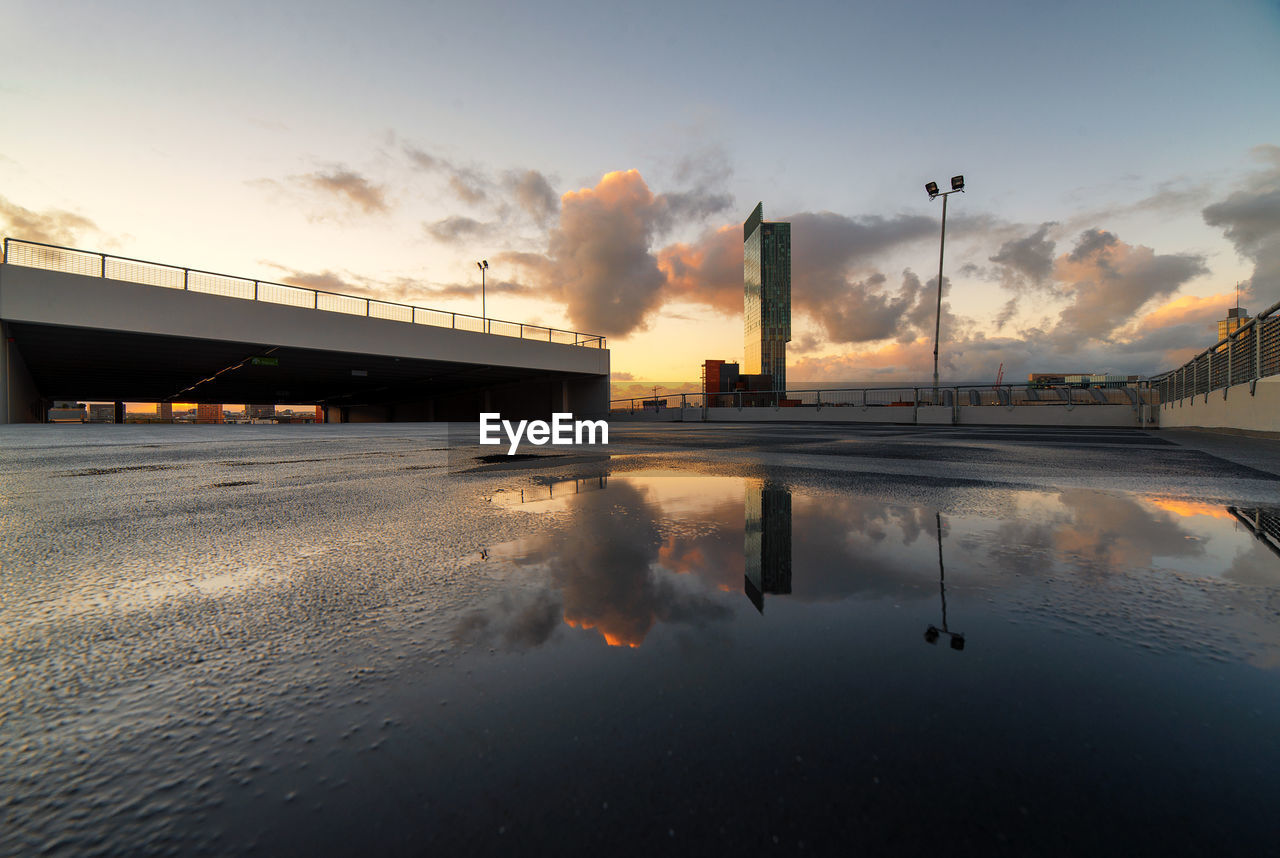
x: 1252, y: 407
x: 937, y: 415
x: 1049, y: 415
x: 871, y: 414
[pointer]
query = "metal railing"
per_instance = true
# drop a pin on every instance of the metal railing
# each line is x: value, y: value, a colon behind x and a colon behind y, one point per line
x: 52, y: 257
x: 1247, y: 354
x: 1005, y: 395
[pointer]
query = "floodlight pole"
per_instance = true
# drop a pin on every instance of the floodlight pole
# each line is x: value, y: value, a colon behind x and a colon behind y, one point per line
x: 937, y: 319
x: 484, y: 316
x: 932, y: 188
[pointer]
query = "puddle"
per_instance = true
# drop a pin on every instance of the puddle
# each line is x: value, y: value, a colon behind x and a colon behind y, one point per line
x: 664, y: 662
x: 1044, y: 667
x: 628, y: 553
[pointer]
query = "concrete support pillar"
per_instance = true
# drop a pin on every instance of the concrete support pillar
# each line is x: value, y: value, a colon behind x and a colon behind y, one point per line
x: 119, y: 412
x: 564, y: 395
x: 20, y: 400
x: 5, y: 345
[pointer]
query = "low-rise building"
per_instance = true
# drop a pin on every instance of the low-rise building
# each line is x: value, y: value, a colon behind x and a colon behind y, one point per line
x: 68, y: 412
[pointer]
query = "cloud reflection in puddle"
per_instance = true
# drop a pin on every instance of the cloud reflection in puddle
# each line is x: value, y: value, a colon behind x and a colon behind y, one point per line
x: 626, y: 553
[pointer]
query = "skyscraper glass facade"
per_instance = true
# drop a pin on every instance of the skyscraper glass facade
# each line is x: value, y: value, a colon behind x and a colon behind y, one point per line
x: 766, y: 280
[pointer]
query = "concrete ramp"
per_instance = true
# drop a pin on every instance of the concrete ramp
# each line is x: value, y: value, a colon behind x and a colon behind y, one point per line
x: 77, y: 335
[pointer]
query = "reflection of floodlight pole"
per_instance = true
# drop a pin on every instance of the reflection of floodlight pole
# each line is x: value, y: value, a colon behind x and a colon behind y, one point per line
x: 931, y: 634
x: 483, y: 265
x: 957, y: 184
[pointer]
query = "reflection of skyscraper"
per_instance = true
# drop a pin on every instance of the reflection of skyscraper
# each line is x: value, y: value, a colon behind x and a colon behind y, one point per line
x: 766, y: 282
x: 767, y: 543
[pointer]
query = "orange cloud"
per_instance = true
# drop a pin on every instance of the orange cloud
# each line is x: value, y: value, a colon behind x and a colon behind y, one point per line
x: 708, y: 272
x: 351, y: 186
x: 1108, y: 280
x: 1187, y: 509
x: 1179, y: 328
x: 613, y: 638
x: 899, y: 361
x: 1188, y: 309
x: 598, y: 261
x: 679, y: 558
x: 617, y: 187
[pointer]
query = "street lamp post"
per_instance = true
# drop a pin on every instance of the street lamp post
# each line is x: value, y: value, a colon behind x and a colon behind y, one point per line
x: 957, y: 184
x: 483, y: 265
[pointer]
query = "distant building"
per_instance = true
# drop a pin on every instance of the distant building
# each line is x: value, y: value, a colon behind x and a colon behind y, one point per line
x: 1236, y: 316
x: 102, y: 412
x: 209, y: 413
x: 310, y: 414
x: 718, y: 376
x: 260, y: 412
x: 1080, y: 379
x: 68, y: 412
x: 164, y: 410
x: 766, y: 281
x: 1050, y: 379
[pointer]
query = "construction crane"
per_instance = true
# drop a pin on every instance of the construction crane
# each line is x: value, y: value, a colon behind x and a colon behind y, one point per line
x: 1000, y: 374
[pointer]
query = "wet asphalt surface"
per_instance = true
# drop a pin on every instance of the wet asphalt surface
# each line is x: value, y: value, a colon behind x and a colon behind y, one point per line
x: 210, y: 637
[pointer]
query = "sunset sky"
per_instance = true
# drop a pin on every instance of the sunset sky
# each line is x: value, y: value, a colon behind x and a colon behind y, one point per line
x: 1122, y: 162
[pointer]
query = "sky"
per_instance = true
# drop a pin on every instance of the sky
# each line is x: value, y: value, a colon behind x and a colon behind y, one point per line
x: 1122, y: 166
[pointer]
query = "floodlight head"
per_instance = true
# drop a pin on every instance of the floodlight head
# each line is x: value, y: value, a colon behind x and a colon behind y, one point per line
x: 931, y: 635
x: 932, y: 189
x: 957, y: 183
x: 957, y: 641
x: 482, y: 264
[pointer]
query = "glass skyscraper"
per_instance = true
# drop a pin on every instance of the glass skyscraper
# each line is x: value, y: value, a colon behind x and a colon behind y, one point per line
x: 766, y: 279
